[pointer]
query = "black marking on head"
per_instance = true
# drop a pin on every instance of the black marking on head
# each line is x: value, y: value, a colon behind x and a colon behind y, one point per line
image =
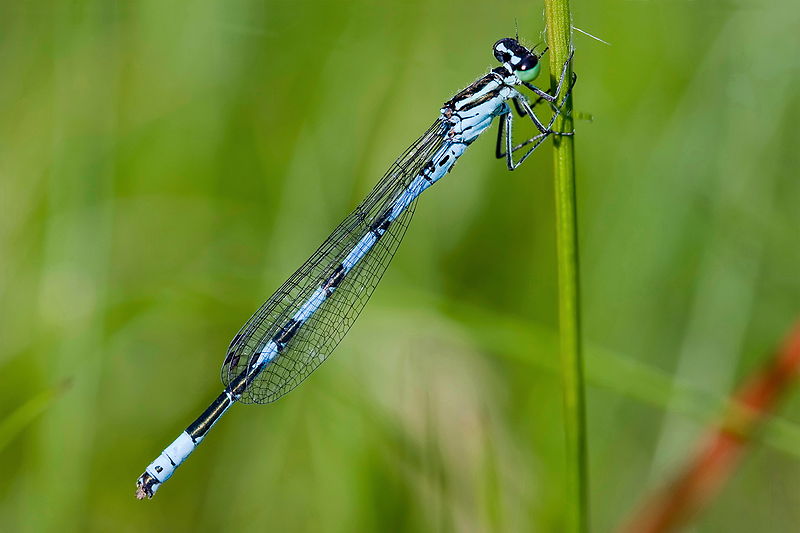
x: 509, y: 52
x: 502, y: 52
x: 286, y: 333
x: 334, y: 280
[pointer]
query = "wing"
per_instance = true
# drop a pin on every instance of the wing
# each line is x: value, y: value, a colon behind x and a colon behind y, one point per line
x: 318, y: 336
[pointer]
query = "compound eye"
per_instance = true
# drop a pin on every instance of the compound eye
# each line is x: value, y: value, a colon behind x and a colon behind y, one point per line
x: 528, y: 68
x: 528, y: 63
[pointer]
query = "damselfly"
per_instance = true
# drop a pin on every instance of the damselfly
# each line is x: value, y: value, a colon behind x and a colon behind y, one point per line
x: 301, y: 324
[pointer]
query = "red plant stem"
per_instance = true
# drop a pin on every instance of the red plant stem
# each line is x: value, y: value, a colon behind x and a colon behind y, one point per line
x: 719, y: 452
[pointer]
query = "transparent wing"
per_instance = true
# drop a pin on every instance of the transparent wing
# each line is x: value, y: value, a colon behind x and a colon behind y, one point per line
x: 319, y: 335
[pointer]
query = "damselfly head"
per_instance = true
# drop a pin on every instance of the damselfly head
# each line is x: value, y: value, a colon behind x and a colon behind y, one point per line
x: 521, y: 61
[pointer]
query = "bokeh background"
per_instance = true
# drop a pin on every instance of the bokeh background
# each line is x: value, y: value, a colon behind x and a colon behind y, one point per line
x: 164, y: 166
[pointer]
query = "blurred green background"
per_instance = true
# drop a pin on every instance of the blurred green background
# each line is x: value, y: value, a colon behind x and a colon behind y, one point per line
x: 164, y: 166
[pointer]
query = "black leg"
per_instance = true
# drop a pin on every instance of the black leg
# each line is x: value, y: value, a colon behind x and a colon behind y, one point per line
x: 520, y: 111
x: 547, y: 96
x: 506, y: 123
x: 553, y: 106
x: 548, y: 130
x: 536, y: 140
x: 498, y: 150
x: 501, y: 138
x: 556, y: 111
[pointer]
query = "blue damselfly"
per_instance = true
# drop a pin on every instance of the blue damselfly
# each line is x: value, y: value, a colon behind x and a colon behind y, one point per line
x: 301, y: 324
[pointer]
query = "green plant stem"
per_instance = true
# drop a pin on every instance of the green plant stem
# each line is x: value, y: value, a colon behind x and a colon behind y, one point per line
x: 559, y: 39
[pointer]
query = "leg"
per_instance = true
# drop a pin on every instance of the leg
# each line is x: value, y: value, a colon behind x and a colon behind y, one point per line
x: 523, y: 102
x: 500, y: 153
x: 498, y: 149
x: 553, y: 106
x: 508, y: 121
x: 521, y: 112
x: 536, y: 140
x: 552, y: 97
